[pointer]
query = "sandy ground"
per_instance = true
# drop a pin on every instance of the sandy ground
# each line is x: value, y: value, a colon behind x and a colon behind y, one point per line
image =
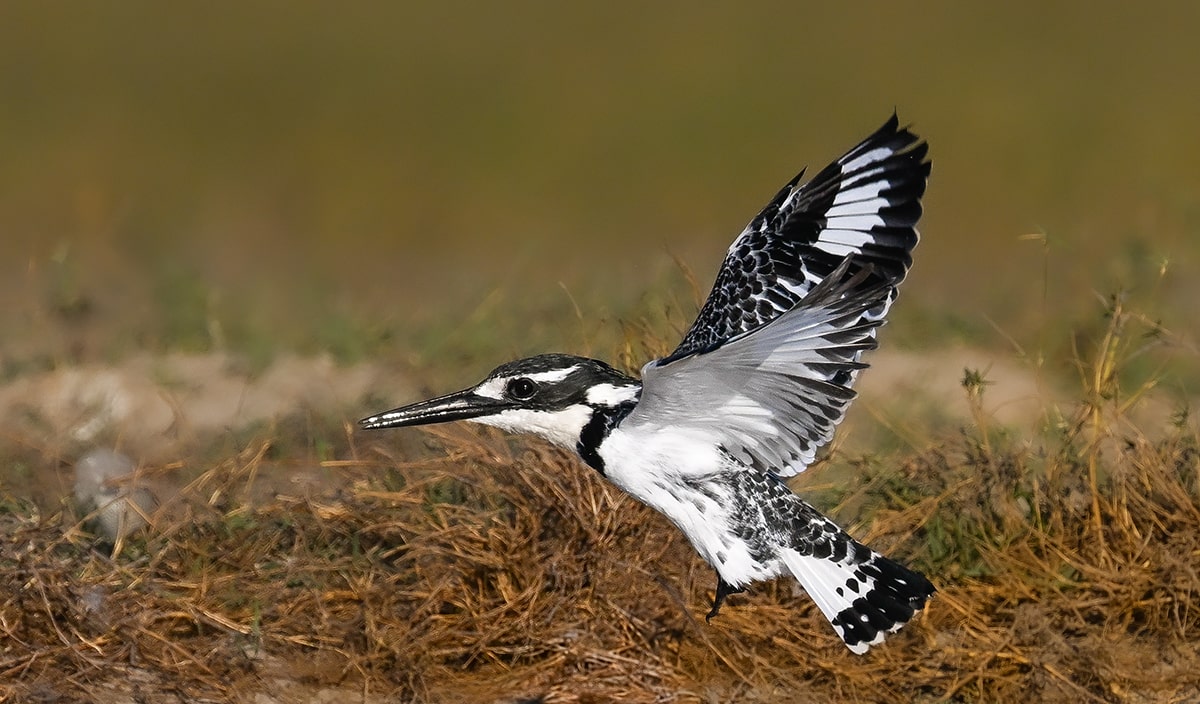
x: 156, y: 408
x: 159, y: 405
x: 160, y: 410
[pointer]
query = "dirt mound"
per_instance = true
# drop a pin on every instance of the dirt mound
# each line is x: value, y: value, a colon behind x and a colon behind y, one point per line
x: 159, y: 407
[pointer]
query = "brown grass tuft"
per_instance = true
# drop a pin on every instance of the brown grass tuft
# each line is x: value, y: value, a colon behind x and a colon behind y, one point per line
x: 491, y: 569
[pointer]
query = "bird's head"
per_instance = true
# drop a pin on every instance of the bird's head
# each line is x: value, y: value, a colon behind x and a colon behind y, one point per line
x: 552, y: 395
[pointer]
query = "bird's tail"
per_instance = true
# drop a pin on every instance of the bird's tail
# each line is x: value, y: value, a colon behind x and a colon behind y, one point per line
x: 864, y: 595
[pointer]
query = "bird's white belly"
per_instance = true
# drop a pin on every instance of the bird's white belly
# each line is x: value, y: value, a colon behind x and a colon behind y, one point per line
x: 678, y: 477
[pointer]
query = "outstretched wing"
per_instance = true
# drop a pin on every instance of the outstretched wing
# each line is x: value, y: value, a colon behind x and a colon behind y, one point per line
x: 772, y: 397
x: 866, y: 203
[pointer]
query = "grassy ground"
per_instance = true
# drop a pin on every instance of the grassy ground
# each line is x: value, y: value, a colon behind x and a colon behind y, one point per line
x: 475, y: 567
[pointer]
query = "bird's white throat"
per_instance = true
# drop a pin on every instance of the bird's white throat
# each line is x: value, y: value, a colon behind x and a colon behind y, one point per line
x: 561, y: 427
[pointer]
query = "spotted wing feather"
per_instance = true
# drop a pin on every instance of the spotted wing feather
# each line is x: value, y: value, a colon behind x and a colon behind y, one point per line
x: 865, y: 204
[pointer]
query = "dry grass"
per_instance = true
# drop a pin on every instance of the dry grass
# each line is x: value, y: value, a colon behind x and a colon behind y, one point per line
x: 499, y: 570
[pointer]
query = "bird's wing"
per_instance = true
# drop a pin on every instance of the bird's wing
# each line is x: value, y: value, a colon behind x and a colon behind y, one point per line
x: 866, y: 203
x: 772, y: 397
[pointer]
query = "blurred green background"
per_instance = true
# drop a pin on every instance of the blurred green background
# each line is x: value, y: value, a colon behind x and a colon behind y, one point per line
x: 421, y: 179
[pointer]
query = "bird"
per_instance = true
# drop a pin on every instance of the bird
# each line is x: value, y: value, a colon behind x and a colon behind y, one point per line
x: 708, y: 434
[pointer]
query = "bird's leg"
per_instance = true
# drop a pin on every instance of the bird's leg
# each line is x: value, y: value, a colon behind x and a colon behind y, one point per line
x: 724, y: 589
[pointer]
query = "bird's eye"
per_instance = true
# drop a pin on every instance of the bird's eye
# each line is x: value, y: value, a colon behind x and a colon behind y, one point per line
x: 522, y: 389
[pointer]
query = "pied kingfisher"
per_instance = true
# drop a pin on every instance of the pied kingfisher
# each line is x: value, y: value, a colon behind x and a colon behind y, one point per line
x: 755, y: 389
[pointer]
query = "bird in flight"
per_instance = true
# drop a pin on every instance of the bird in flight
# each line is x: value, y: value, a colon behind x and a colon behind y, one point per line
x: 758, y: 384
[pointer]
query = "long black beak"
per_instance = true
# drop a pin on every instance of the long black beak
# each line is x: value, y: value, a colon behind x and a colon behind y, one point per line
x: 460, y: 405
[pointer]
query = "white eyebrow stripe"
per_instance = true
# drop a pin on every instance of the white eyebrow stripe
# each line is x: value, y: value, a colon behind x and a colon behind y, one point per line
x: 552, y: 375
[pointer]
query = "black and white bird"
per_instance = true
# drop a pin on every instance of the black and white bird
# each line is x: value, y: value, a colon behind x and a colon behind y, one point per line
x: 756, y: 388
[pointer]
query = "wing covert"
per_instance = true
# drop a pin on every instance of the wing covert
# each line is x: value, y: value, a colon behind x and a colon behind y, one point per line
x: 772, y: 397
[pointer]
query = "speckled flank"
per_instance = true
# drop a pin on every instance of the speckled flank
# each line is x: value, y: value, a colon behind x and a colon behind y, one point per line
x: 864, y: 594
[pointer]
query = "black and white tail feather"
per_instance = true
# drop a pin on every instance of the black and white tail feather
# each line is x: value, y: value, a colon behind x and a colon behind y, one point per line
x: 752, y: 393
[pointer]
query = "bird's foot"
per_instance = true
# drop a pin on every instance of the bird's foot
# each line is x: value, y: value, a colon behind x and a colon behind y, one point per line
x: 724, y: 589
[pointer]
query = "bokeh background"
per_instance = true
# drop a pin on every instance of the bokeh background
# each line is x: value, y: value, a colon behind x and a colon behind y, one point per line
x: 228, y: 230
x: 425, y: 179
